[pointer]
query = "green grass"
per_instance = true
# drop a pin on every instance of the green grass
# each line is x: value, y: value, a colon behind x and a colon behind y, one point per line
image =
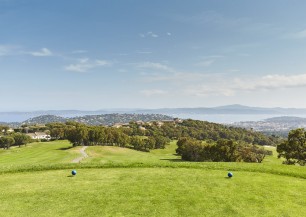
x: 39, y: 153
x: 150, y: 192
x: 273, y: 159
x: 113, y: 181
x: 113, y: 154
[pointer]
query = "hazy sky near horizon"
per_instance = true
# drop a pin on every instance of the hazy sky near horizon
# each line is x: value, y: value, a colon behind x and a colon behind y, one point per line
x: 95, y: 54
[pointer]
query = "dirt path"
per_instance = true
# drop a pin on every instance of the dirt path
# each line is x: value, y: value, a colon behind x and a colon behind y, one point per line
x: 84, y: 155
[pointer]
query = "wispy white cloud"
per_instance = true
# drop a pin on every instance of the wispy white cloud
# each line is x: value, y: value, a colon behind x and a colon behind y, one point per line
x: 7, y: 50
x: 205, y: 62
x: 148, y: 34
x: 122, y: 70
x: 157, y: 72
x: 79, y: 51
x: 154, y: 66
x: 144, y: 52
x: 234, y: 70
x: 274, y: 82
x: 297, y: 35
x: 181, y: 78
x: 169, y: 33
x: 216, y: 84
x: 153, y: 35
x: 212, y: 56
x: 206, y: 90
x: 231, y: 87
x: 85, y: 64
x: 154, y: 92
x: 240, y: 49
x: 208, y: 60
x: 42, y: 53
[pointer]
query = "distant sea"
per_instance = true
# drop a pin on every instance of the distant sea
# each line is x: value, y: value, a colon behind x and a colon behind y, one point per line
x: 20, y: 117
x: 231, y: 118
x: 7, y: 117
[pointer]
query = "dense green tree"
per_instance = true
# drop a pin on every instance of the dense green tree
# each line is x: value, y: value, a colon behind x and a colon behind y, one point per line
x: 6, y: 142
x: 21, y: 139
x: 137, y: 143
x: 220, y: 151
x: 225, y: 150
x: 252, y: 153
x: 149, y: 143
x: 294, y: 148
x: 96, y: 136
x: 3, y: 129
x: 57, y: 133
x: 78, y: 135
x: 160, y: 141
x: 180, y: 144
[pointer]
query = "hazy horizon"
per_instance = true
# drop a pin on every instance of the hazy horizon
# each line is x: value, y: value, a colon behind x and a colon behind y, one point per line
x: 225, y: 118
x: 92, y: 55
x: 144, y: 108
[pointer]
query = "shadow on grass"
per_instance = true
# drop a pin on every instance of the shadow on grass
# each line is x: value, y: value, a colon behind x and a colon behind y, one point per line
x: 63, y: 149
x: 70, y: 176
x: 174, y: 160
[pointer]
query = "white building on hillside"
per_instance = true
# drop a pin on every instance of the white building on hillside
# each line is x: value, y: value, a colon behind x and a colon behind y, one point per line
x: 39, y: 135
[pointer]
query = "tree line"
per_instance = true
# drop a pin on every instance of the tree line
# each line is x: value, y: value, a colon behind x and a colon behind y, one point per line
x: 81, y: 134
x: 221, y: 151
x: 14, y: 139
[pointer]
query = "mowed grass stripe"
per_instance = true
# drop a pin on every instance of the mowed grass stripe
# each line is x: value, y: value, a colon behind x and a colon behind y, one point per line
x: 151, y: 192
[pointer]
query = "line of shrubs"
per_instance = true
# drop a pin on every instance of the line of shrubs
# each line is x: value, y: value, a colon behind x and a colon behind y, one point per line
x: 221, y: 151
x: 15, y: 139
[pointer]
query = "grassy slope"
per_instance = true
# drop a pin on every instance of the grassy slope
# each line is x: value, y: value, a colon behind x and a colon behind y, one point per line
x: 132, y: 183
x: 39, y: 153
x: 112, y: 154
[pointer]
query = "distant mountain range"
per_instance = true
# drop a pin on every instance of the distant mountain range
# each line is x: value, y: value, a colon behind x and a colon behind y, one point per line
x: 229, y: 109
x: 222, y: 110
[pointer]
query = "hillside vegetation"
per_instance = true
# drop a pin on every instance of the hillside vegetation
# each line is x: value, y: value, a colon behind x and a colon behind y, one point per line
x: 101, y: 119
x: 201, y: 139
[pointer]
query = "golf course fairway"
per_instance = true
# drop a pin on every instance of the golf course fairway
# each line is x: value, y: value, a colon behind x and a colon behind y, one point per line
x: 121, y: 182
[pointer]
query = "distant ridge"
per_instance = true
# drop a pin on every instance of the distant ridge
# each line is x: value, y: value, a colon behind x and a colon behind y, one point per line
x: 45, y: 119
x: 228, y: 109
x: 286, y: 119
x: 235, y: 109
x: 105, y: 119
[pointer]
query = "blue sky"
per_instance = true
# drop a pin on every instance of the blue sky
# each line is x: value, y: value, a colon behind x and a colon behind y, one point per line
x: 94, y: 54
